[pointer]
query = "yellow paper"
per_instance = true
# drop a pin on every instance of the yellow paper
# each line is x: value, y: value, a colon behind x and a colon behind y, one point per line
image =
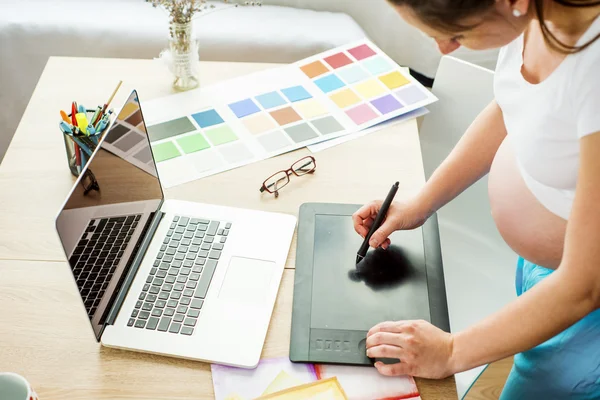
x: 326, y: 389
x: 281, y: 382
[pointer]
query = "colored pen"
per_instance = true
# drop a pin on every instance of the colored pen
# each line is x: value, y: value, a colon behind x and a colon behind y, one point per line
x: 73, y: 113
x: 82, y: 122
x: 96, y: 115
x: 66, y: 128
x: 91, y: 130
x: 362, y: 252
x: 65, y: 117
x: 111, y: 97
x: 81, y: 108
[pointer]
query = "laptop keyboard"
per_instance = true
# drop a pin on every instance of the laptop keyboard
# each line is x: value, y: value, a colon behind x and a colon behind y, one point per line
x: 175, y: 289
x: 98, y: 254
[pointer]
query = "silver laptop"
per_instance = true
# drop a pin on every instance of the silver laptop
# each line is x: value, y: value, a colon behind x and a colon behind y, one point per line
x: 190, y: 280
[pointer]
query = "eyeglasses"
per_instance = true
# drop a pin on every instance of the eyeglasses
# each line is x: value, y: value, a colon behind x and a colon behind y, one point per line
x: 89, y: 182
x: 277, y: 181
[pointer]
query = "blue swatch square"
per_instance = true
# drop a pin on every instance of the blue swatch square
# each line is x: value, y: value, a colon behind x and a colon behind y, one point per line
x: 296, y: 93
x: 329, y: 83
x: 270, y: 100
x: 244, y: 108
x: 352, y: 74
x: 377, y: 65
x: 207, y: 118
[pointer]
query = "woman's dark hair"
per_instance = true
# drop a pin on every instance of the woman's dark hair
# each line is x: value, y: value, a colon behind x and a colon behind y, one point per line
x: 450, y: 15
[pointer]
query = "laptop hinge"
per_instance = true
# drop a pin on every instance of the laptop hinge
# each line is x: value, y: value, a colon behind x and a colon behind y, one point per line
x: 145, y: 240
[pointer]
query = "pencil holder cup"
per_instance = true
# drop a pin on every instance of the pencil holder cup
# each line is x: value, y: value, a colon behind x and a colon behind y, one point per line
x: 79, y: 147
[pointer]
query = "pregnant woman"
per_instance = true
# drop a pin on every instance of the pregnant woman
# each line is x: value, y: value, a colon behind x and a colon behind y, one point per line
x: 539, y: 140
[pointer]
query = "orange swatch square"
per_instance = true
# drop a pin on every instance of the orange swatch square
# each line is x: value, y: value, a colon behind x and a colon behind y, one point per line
x: 285, y: 116
x: 314, y: 69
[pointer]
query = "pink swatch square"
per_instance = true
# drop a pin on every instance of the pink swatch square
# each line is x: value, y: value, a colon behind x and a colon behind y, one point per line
x: 338, y: 60
x: 362, y: 52
x: 361, y: 114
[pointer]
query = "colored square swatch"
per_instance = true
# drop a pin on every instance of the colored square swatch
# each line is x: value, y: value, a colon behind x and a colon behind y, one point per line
x: 314, y: 69
x: 116, y: 132
x: 193, y: 143
x: 387, y: 104
x: 205, y: 161
x: 236, y: 153
x: 352, y: 74
x: 259, y: 123
x: 171, y: 128
x: 327, y: 125
x: 338, y: 60
x: 310, y: 108
x: 296, y: 93
x: 165, y: 151
x: 221, y: 135
x: 301, y: 133
x: 208, y: 118
x: 345, y: 98
x: 411, y: 94
x: 329, y: 83
x: 369, y: 89
x: 270, y: 100
x: 274, y: 141
x: 378, y: 65
x: 394, y: 80
x: 285, y: 116
x: 244, y: 108
x: 361, y: 114
x: 128, y: 142
x: 362, y: 52
x: 144, y: 155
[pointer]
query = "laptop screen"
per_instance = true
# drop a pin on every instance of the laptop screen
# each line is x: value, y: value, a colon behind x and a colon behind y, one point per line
x: 103, y: 219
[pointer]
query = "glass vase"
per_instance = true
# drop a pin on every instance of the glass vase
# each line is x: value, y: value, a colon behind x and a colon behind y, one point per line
x: 184, y: 56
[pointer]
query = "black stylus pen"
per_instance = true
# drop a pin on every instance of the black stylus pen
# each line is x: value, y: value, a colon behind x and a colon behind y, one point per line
x: 362, y: 252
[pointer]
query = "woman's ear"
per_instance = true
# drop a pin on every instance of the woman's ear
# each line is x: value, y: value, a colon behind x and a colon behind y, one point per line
x: 520, y: 7
x: 514, y: 8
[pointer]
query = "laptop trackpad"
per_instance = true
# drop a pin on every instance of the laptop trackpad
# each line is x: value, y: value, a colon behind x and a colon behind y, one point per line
x: 247, y: 280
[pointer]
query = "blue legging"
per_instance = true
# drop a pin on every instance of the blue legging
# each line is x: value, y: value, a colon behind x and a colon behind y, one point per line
x: 566, y: 366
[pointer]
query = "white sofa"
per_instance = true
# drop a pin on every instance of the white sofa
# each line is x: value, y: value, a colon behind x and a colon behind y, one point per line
x: 279, y: 31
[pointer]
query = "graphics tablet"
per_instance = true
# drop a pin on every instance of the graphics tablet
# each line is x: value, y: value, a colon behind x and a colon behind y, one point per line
x: 336, y: 302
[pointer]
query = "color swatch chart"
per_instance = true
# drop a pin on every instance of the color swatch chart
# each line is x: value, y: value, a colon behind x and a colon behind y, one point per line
x: 261, y: 115
x: 365, y: 83
x: 127, y: 137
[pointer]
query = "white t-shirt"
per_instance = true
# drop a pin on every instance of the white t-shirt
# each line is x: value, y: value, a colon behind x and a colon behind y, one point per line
x: 545, y: 121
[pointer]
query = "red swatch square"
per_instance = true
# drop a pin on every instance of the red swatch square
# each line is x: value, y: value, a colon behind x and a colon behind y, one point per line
x: 362, y: 52
x: 338, y: 60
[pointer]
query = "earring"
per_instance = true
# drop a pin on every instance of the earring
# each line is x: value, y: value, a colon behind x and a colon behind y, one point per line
x: 516, y: 13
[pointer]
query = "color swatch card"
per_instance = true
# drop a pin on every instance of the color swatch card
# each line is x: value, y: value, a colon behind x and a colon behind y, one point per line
x: 253, y: 117
x: 365, y: 84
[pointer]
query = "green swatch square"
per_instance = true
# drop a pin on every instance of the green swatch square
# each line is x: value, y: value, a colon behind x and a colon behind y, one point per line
x: 221, y: 135
x: 165, y: 151
x: 193, y: 143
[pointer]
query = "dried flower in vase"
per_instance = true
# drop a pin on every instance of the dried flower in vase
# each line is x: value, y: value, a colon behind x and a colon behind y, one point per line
x: 182, y: 55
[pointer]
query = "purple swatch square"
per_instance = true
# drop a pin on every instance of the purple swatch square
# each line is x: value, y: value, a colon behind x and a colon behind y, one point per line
x: 244, y: 108
x: 411, y: 94
x: 387, y: 104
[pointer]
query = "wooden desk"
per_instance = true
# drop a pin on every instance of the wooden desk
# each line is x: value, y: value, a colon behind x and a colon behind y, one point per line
x: 44, y: 333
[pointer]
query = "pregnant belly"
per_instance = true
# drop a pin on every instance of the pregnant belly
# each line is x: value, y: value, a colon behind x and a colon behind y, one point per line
x: 526, y: 225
